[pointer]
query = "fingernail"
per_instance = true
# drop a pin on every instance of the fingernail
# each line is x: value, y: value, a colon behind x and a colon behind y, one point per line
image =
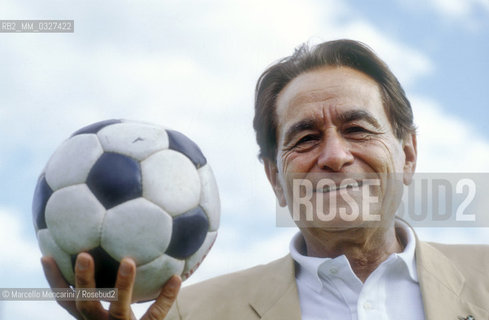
x: 82, y: 263
x: 125, y: 268
x: 173, y: 283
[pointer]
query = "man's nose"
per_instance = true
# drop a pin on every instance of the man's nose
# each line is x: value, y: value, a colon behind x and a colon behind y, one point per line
x: 335, y: 152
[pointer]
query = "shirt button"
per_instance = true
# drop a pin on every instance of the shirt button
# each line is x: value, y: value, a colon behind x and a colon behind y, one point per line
x: 367, y: 306
x: 333, y: 271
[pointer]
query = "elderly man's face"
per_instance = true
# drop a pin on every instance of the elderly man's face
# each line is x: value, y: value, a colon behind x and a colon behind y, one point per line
x: 332, y: 126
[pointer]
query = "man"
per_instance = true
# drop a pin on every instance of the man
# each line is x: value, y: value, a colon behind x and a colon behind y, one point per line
x: 332, y: 113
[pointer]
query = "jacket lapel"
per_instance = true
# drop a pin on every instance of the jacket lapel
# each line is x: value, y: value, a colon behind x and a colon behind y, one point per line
x: 277, y: 297
x: 441, y: 286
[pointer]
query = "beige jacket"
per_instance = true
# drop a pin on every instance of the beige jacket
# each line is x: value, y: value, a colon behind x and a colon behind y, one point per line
x: 454, y: 282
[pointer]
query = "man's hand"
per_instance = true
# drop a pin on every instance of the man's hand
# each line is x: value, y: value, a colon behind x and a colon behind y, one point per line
x: 120, y: 309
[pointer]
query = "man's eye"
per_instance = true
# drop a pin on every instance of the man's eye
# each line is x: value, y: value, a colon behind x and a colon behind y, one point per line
x: 356, y: 129
x: 306, y: 140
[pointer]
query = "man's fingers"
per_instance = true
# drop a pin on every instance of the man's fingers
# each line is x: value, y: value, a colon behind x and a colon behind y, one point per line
x: 56, y: 280
x: 85, y: 279
x: 159, y: 309
x: 121, y: 309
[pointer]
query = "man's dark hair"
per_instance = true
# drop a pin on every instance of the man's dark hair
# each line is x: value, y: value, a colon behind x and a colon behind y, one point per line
x: 340, y: 53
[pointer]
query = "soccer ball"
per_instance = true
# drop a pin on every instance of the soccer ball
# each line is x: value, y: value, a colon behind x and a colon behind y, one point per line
x: 121, y: 188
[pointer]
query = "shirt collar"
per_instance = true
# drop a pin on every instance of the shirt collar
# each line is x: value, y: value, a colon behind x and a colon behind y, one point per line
x: 310, y: 267
x: 406, y: 234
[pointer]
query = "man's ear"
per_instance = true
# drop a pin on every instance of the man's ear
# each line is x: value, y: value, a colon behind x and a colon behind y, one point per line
x: 410, y: 149
x: 272, y: 174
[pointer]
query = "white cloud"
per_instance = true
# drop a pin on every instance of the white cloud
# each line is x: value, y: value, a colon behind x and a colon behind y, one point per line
x: 17, y: 252
x: 447, y: 143
x: 459, y: 9
x: 471, y: 14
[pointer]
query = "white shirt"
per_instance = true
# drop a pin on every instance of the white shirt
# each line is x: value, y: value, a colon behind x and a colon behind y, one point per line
x: 328, y: 288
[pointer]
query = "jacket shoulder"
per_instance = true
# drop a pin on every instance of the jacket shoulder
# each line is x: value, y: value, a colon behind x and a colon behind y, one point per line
x: 228, y: 295
x: 469, y: 258
x: 471, y: 263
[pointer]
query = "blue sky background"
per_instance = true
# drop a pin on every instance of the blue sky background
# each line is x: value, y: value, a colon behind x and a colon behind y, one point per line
x: 192, y: 66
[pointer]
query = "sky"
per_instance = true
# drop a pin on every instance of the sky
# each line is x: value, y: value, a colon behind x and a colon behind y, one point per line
x: 192, y: 66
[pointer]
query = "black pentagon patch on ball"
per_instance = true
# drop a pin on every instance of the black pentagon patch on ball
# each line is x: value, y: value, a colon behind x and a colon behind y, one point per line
x: 115, y: 179
x: 188, y: 234
x: 41, y: 197
x: 179, y: 142
x: 105, y: 267
x: 95, y: 127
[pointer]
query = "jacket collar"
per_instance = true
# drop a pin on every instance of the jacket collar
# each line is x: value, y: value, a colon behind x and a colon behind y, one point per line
x: 277, y: 297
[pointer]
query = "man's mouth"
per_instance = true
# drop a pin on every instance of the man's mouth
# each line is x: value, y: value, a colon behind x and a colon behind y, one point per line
x: 346, y: 185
